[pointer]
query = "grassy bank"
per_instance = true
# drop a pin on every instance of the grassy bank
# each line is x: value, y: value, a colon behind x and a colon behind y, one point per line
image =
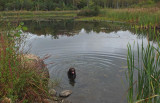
x: 139, y: 16
x: 143, y: 17
x: 19, y: 83
x: 37, y: 15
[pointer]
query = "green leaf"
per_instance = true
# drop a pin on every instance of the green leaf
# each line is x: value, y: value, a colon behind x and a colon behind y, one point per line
x: 22, y: 23
x: 9, y: 23
x: 9, y: 35
x: 24, y: 28
x: 18, y: 28
x: 7, y: 49
x: 18, y: 34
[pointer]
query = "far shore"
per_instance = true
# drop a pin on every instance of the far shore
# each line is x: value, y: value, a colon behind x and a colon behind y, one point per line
x: 138, y: 16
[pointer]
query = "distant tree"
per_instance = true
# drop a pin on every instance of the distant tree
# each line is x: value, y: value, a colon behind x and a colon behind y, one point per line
x: 81, y: 4
x: 27, y: 4
x: 2, y: 4
x: 67, y: 4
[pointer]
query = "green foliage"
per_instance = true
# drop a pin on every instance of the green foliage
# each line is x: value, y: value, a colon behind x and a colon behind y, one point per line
x: 81, y: 4
x: 142, y: 17
x: 144, y: 85
x: 92, y: 11
x: 145, y: 3
x: 57, y: 9
x: 69, y: 4
x: 17, y: 81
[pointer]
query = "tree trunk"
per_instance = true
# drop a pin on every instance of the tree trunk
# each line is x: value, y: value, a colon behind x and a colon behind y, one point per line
x: 73, y: 4
x: 87, y: 3
x: 117, y: 5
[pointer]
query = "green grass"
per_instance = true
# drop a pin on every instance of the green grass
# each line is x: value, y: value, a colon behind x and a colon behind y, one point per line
x: 142, y: 17
x: 137, y: 16
x: 29, y: 15
x: 18, y: 82
x: 143, y: 77
x: 23, y: 84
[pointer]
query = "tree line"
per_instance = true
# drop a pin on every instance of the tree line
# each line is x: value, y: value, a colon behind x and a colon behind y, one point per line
x: 66, y: 4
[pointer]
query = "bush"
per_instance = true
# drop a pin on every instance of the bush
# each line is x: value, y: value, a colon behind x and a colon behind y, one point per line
x: 94, y: 11
x: 146, y: 3
x: 18, y: 82
x: 158, y: 4
x: 57, y: 9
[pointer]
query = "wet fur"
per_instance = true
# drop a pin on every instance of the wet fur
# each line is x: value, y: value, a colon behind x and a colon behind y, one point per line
x: 70, y: 75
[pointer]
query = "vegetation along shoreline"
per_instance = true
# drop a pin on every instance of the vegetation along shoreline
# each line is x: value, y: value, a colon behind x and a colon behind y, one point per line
x: 143, y: 18
x: 20, y: 82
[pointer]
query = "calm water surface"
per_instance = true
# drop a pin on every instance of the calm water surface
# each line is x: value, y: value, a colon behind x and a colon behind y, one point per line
x: 96, y: 50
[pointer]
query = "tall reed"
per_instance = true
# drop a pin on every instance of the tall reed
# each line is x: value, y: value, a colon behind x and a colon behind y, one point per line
x: 144, y: 77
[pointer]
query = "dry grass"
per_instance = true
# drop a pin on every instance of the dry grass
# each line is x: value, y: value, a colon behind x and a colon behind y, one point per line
x: 18, y: 82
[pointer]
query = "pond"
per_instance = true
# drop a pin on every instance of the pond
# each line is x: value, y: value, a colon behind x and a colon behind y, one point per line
x: 98, y: 51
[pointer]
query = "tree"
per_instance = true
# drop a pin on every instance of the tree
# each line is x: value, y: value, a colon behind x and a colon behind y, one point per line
x: 81, y: 4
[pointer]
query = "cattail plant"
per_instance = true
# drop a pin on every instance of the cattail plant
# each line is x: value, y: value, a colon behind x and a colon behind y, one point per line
x: 144, y: 77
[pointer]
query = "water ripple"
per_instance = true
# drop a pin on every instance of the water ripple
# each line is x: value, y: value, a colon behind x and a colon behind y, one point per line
x: 98, y: 58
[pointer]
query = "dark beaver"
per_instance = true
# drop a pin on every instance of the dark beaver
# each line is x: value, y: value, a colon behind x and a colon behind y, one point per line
x: 72, y: 73
x: 72, y: 76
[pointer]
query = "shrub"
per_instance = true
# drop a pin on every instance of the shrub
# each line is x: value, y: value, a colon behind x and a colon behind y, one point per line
x: 18, y: 82
x: 94, y: 11
x: 57, y: 9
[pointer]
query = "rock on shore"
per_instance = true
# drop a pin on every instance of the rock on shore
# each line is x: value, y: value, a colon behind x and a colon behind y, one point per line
x: 65, y: 93
x: 33, y: 61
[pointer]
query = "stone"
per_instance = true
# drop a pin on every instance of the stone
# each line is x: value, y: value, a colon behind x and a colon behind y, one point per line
x: 33, y: 61
x: 6, y: 100
x: 65, y: 93
x: 65, y: 101
x: 49, y: 101
x: 55, y: 98
x: 52, y: 92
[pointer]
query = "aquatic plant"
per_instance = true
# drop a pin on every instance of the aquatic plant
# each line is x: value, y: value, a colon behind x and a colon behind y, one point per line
x: 143, y: 74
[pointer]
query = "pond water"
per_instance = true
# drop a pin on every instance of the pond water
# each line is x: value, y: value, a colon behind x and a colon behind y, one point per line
x: 98, y: 51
